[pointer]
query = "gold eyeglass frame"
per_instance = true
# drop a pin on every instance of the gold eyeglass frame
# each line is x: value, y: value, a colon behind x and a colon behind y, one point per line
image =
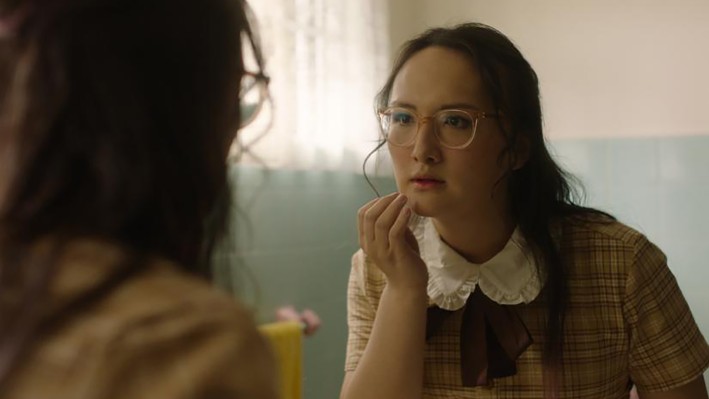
x: 420, y: 120
x: 262, y: 81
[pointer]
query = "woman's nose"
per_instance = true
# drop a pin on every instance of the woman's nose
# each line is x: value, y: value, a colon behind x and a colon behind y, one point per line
x: 426, y: 147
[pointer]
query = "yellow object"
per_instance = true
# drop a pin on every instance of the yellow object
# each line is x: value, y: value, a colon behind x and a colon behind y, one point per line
x: 286, y: 339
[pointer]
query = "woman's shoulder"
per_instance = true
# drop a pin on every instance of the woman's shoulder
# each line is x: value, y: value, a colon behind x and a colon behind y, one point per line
x: 157, y: 300
x: 599, y: 243
x: 155, y: 332
x: 604, y: 233
x: 165, y: 290
x: 212, y: 334
x: 157, y: 288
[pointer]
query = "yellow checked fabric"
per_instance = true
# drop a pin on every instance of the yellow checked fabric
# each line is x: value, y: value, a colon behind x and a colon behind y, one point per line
x: 627, y: 321
x: 159, y: 334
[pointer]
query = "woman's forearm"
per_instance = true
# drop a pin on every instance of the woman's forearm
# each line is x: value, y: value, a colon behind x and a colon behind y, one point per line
x: 391, y: 366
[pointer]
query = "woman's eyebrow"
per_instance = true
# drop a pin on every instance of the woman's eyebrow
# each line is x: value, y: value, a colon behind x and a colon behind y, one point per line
x: 461, y: 105
x: 402, y: 104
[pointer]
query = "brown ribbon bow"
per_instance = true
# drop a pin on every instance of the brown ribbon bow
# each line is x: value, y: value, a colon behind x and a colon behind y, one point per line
x: 492, y: 337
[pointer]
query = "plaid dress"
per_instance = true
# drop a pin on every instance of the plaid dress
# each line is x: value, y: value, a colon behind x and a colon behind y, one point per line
x: 627, y: 323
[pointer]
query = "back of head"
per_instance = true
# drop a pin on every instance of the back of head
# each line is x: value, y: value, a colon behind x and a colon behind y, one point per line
x: 115, y: 121
x: 119, y: 114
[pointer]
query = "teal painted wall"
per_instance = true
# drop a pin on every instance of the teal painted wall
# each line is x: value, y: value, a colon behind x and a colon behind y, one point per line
x: 659, y: 186
x: 295, y: 233
x: 296, y: 230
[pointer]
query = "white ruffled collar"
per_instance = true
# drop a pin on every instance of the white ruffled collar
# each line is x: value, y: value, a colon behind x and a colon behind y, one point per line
x: 509, y: 278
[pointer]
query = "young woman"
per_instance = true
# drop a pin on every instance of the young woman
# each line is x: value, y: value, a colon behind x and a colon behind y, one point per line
x: 481, y: 278
x: 115, y: 122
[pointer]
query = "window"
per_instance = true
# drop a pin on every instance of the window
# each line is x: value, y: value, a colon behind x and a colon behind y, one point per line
x: 327, y: 59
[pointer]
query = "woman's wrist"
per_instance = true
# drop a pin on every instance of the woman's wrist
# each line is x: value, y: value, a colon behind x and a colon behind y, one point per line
x: 407, y: 294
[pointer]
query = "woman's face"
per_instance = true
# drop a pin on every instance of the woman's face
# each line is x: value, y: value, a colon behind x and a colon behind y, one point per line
x: 441, y: 182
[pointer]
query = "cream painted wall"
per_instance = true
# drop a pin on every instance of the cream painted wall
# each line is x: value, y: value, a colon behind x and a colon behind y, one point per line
x: 631, y: 68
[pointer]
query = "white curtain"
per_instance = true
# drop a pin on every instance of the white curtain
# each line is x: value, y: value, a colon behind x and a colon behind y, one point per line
x: 327, y: 59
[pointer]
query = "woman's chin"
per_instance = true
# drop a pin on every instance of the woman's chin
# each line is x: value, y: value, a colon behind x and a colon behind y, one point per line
x: 423, y: 209
x: 427, y: 204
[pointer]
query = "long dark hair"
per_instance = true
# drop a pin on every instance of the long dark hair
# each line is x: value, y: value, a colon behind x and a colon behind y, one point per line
x: 120, y: 114
x: 540, y: 192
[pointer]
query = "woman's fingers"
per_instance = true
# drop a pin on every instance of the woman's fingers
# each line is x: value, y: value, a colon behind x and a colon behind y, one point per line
x: 398, y: 230
x: 384, y: 236
x: 365, y: 213
x: 372, y: 214
x: 360, y: 221
x: 387, y: 219
x: 376, y: 218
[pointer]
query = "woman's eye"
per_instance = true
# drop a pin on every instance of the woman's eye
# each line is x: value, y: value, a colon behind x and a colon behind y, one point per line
x: 458, y: 122
x: 402, y: 118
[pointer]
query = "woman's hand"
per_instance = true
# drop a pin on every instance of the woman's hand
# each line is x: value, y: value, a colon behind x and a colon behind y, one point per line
x: 386, y: 239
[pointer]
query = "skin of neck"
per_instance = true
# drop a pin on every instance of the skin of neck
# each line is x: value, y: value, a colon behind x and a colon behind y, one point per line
x: 478, y: 235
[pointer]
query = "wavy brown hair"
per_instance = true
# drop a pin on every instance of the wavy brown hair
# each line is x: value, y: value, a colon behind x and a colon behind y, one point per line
x: 118, y: 115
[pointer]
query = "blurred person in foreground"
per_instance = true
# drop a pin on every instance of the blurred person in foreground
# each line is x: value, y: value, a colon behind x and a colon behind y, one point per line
x: 116, y: 118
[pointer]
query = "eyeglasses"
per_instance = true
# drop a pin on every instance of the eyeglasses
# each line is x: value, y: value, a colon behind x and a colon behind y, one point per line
x: 253, y: 93
x: 454, y: 128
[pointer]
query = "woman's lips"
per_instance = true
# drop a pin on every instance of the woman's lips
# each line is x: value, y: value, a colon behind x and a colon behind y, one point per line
x: 427, y: 183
